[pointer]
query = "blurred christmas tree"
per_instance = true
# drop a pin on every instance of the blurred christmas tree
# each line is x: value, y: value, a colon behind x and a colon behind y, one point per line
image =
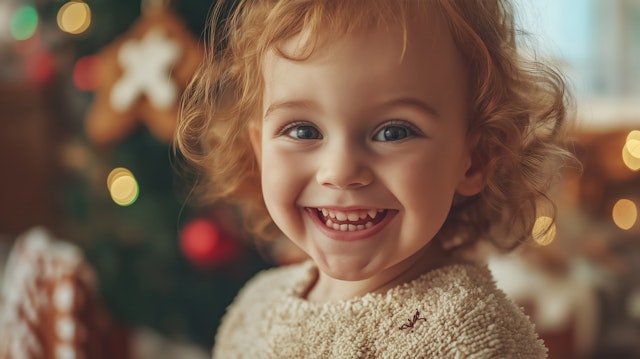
x: 161, y: 263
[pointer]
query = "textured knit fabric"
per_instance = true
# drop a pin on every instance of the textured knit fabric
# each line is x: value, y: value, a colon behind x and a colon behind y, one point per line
x: 452, y: 312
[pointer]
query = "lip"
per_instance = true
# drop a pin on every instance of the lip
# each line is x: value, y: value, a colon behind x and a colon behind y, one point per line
x: 349, y: 236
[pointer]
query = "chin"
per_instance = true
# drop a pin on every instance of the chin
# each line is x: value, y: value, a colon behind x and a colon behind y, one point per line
x: 348, y: 270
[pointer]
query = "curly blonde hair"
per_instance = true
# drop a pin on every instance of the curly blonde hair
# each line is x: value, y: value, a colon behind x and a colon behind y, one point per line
x: 518, y: 111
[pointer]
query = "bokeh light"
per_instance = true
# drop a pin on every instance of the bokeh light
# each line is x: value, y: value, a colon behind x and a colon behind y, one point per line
x: 85, y: 73
x: 631, y: 151
x: 123, y: 186
x: 74, y: 17
x: 625, y: 214
x: 41, y: 68
x: 544, y: 230
x: 633, y: 147
x: 633, y: 163
x: 24, y: 23
x: 200, y: 240
x: 633, y: 144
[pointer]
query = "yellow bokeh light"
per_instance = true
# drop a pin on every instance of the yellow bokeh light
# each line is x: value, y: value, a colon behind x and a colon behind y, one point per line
x: 117, y: 173
x: 544, y: 230
x: 625, y: 214
x: 633, y: 144
x: 123, y: 186
x: 630, y: 160
x: 74, y: 17
x: 633, y: 135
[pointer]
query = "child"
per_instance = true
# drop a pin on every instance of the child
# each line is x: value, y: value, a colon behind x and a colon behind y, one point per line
x: 382, y: 137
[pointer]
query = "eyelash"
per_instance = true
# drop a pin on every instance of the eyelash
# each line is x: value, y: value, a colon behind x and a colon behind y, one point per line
x: 284, y: 130
x: 412, y: 129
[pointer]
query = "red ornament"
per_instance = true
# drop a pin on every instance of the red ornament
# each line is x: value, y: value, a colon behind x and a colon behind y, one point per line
x: 206, y: 245
x: 85, y: 73
x: 41, y: 68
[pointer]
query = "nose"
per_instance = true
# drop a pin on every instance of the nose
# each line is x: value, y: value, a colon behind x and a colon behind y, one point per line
x: 344, y: 167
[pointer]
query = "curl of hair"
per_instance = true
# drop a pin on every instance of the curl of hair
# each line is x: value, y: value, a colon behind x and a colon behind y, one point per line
x: 516, y: 120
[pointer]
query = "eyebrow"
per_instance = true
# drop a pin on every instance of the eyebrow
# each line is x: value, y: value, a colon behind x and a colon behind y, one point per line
x: 311, y: 105
x: 288, y: 105
x: 413, y: 102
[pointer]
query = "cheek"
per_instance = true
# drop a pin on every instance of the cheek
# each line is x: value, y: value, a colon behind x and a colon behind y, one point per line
x: 274, y: 182
x: 426, y: 191
x: 275, y: 196
x: 281, y: 185
x: 432, y: 194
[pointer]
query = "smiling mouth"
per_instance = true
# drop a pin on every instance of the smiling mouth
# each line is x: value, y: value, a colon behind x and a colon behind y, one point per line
x: 350, y: 221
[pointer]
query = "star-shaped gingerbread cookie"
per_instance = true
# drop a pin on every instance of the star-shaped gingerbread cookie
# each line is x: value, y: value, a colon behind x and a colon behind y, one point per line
x: 141, y: 77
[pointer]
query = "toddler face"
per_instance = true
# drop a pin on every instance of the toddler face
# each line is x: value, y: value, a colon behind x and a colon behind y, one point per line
x: 362, y: 147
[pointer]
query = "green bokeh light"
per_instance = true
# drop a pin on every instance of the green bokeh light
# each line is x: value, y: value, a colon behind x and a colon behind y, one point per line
x: 24, y: 23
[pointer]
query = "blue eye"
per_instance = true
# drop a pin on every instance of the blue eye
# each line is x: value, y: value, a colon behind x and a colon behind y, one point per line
x: 303, y: 132
x: 393, y: 133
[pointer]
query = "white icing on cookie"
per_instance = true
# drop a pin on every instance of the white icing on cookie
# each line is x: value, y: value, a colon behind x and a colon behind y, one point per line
x: 37, y: 283
x: 65, y: 328
x: 65, y: 351
x: 63, y: 296
x: 146, y: 65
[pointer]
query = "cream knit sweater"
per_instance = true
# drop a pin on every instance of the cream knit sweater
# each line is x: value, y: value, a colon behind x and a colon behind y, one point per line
x: 451, y: 312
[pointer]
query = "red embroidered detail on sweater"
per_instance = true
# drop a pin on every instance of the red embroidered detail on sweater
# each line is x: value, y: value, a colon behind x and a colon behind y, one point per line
x: 412, y: 321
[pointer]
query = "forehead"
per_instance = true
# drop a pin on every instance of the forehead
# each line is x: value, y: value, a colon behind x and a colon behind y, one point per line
x: 372, y: 65
x: 420, y: 33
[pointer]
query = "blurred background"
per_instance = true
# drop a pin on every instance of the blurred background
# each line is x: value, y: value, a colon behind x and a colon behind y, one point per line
x: 93, y: 203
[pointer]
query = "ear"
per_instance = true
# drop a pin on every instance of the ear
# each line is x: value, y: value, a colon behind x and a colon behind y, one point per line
x: 255, y: 136
x: 473, y: 180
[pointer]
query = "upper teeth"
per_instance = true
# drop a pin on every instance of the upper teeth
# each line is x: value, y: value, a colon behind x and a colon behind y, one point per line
x: 351, y: 215
x: 356, y: 220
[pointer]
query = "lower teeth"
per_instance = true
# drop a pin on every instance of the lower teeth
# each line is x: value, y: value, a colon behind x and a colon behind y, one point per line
x: 348, y: 227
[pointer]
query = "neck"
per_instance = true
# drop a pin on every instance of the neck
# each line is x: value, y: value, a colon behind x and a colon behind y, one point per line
x: 328, y: 290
